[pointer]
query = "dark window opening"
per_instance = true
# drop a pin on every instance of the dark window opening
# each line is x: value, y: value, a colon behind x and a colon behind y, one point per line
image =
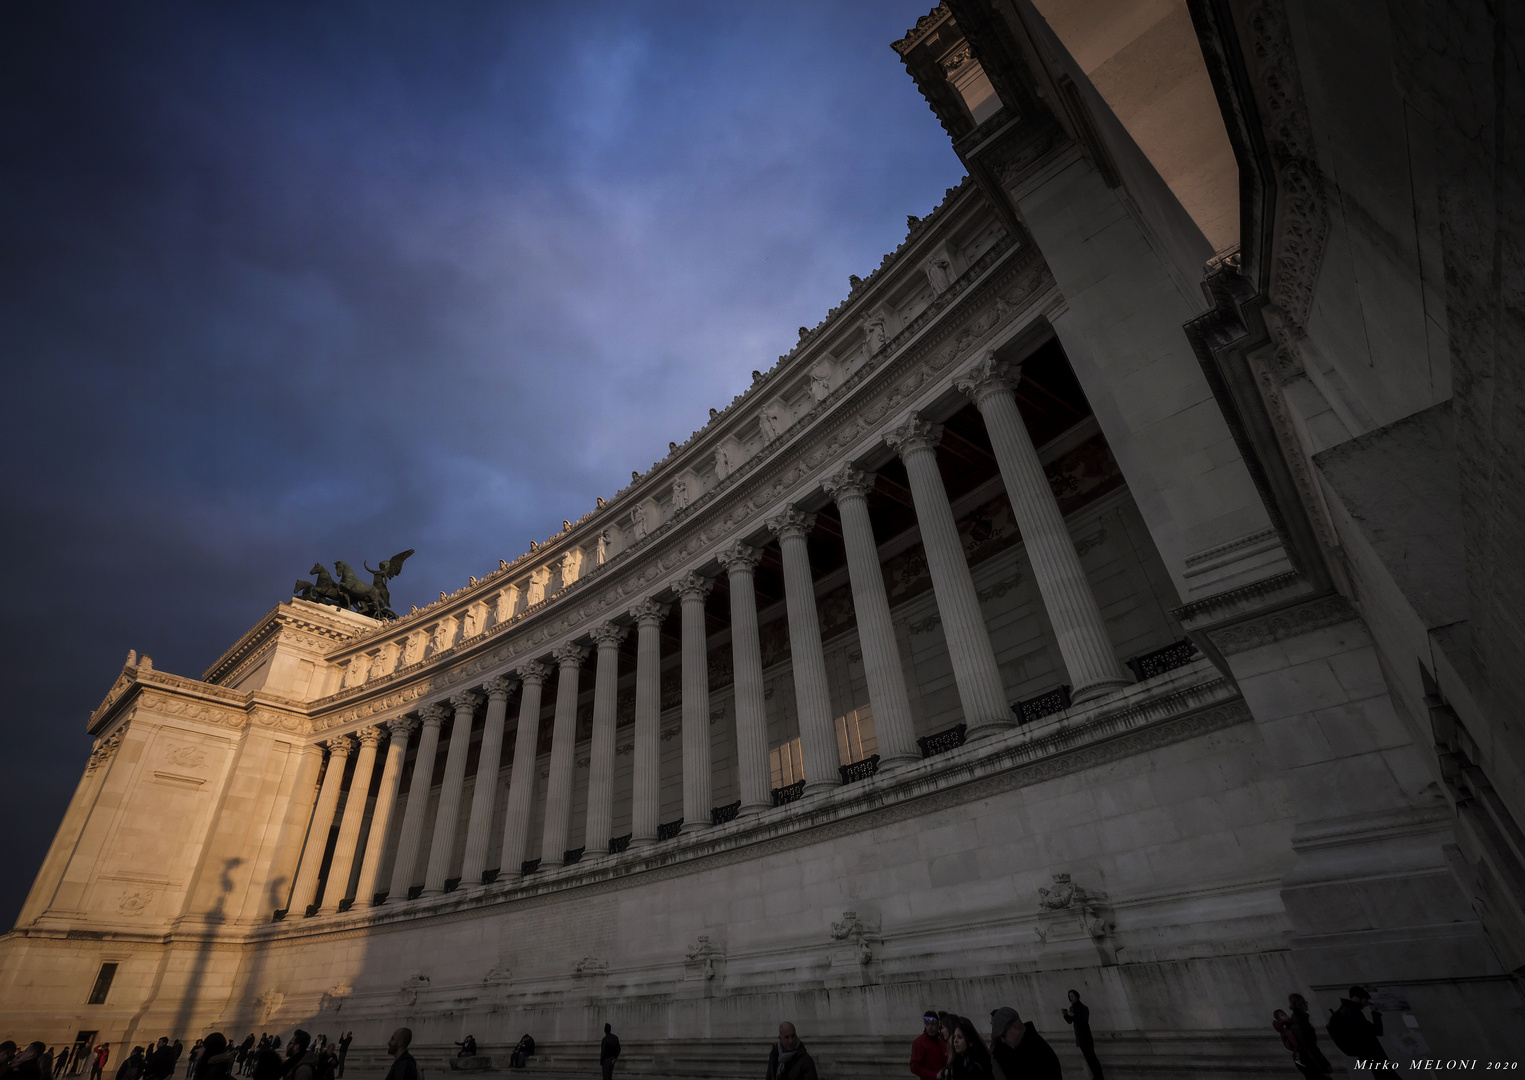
x: 102, y: 985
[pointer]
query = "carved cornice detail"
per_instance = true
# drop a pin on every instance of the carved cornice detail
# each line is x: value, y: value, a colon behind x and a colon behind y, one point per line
x: 1281, y: 625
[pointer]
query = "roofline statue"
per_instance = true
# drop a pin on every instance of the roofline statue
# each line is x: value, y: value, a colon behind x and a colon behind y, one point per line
x: 351, y: 593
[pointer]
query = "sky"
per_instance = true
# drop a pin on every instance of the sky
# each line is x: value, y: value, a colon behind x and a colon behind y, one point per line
x: 296, y: 282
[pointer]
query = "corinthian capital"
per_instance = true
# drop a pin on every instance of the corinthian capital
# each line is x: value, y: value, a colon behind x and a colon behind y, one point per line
x: 499, y: 686
x: 464, y: 701
x: 609, y: 635
x: 913, y: 435
x: 339, y: 746
x: 849, y: 483
x: 533, y: 672
x: 692, y: 586
x: 739, y: 556
x: 402, y: 727
x: 649, y: 612
x: 433, y: 714
x: 570, y: 656
x: 988, y: 376
x: 792, y: 522
x: 369, y: 736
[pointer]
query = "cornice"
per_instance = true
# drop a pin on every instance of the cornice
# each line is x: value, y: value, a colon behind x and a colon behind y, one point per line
x: 200, y: 702
x: 973, y: 308
x: 288, y: 616
x: 923, y: 234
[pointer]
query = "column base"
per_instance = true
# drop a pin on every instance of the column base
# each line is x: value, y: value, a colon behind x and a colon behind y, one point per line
x: 428, y: 892
x: 984, y: 729
x: 641, y: 842
x: 695, y: 826
x: 1097, y: 689
x: 752, y: 809
x: 814, y: 786
x: 899, y: 761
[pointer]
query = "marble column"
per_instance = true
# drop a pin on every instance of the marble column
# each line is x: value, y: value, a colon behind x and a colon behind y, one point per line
x: 893, y: 725
x: 980, y: 688
x: 698, y: 800
x: 558, y: 791
x: 484, y: 793
x: 601, y: 754
x: 304, y: 895
x: 348, y: 841
x: 447, y: 817
x: 521, y: 780
x: 812, y: 695
x: 412, y: 836
x: 646, y: 784
x: 386, y: 801
x: 1082, y: 633
x: 740, y: 563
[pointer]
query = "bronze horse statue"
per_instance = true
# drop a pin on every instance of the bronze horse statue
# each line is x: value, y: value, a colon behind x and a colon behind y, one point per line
x: 374, y: 600
x: 325, y: 590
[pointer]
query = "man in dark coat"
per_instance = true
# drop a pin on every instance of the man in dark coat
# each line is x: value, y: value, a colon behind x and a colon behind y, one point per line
x: 1080, y: 1016
x: 1019, y: 1051
x: 1314, y: 1065
x: 608, y: 1051
x: 1352, y: 1032
x: 349, y: 1037
x: 789, y: 1060
x: 403, y: 1065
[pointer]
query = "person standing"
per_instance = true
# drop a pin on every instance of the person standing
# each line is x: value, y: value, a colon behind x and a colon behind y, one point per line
x: 789, y: 1060
x: 98, y: 1062
x: 929, y: 1053
x: 1355, y: 1035
x: 1311, y: 1063
x: 1019, y: 1050
x: 1079, y: 1016
x: 132, y: 1065
x: 403, y: 1065
x: 349, y: 1037
x: 46, y: 1065
x: 301, y: 1062
x: 608, y: 1052
x: 61, y: 1062
x: 967, y: 1057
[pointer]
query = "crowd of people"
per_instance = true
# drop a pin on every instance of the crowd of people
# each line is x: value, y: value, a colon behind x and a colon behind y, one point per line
x: 950, y: 1047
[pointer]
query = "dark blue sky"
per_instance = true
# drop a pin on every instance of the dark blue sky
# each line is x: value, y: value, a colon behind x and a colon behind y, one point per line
x: 286, y: 282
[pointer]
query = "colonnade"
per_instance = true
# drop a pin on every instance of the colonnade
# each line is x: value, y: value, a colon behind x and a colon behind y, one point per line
x: 1067, y: 596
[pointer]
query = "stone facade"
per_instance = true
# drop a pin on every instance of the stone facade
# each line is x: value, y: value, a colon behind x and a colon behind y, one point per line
x: 1024, y: 628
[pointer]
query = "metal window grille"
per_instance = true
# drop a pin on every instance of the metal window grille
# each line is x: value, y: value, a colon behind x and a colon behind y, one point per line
x: 1036, y: 708
x: 788, y: 793
x: 1160, y: 661
x: 719, y: 815
x: 860, y: 770
x: 529, y: 866
x: 941, y: 742
x: 572, y: 855
x: 618, y: 844
x: 669, y: 829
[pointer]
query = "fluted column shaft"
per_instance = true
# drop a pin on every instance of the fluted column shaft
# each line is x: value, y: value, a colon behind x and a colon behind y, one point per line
x: 740, y: 562
x: 381, y: 817
x: 348, y: 841
x: 521, y: 780
x: 978, y: 677
x: 812, y: 693
x: 304, y: 895
x: 1067, y: 596
x: 558, y: 792
x: 600, y: 821
x: 484, y: 793
x: 893, y: 726
x: 646, y: 786
x: 447, y: 817
x: 412, y: 836
x: 698, y: 798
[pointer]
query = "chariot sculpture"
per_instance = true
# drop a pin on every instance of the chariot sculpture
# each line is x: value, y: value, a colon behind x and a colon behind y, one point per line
x: 348, y: 592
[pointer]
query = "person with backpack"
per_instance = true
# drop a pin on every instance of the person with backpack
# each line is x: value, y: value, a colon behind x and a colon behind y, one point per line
x: 301, y: 1062
x: 1356, y: 1036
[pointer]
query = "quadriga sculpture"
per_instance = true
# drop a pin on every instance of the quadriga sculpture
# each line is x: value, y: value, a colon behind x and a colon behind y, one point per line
x: 374, y: 599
